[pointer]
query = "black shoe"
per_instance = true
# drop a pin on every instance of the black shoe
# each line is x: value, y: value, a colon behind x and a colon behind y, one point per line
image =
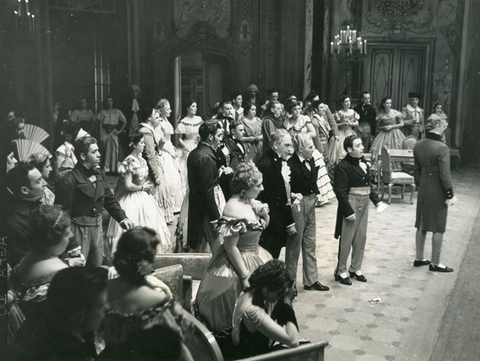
x: 440, y: 269
x: 420, y: 263
x: 343, y: 281
x: 360, y: 278
x: 317, y: 286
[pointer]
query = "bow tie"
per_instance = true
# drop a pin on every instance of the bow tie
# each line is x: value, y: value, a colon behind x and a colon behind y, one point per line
x: 90, y: 172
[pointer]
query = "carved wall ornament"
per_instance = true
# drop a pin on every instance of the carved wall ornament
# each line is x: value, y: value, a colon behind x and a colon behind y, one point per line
x: 398, y: 18
x: 95, y: 6
x: 217, y: 13
x: 451, y: 34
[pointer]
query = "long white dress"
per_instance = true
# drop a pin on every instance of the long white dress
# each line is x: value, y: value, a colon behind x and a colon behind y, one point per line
x: 140, y: 207
x: 189, y: 128
x: 171, y: 191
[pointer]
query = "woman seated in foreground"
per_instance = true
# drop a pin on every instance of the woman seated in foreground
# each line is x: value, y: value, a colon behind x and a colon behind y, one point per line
x: 253, y: 328
x: 136, y: 299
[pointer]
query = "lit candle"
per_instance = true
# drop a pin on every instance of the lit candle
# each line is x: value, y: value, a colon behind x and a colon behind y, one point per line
x: 365, y: 46
x: 28, y: 10
x: 351, y: 44
x: 331, y: 47
x: 348, y: 31
x: 29, y: 21
x: 16, y: 16
x: 360, y: 46
x: 33, y: 22
x: 354, y: 36
x: 20, y: 8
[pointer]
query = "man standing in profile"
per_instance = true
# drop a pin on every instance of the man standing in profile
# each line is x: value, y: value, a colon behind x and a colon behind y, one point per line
x: 206, y: 197
x: 304, y: 190
x: 276, y: 192
x: 368, y: 114
x: 413, y: 122
x: 84, y: 192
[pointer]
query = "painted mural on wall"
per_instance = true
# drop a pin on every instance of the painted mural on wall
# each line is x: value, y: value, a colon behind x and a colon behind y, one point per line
x: 217, y: 13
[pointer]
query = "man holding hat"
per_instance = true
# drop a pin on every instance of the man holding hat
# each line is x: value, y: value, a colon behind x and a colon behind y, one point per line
x: 413, y: 122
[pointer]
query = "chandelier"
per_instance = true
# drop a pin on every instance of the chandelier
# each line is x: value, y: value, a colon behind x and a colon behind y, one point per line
x: 23, y: 15
x: 347, y: 47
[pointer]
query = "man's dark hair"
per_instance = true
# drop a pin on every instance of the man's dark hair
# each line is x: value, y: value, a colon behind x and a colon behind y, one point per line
x: 83, y: 144
x: 17, y: 177
x: 365, y: 92
x: 348, y: 142
x: 207, y: 128
x: 223, y: 102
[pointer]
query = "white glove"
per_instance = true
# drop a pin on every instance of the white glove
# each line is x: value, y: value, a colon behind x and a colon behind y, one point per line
x: 451, y: 202
x: 381, y: 207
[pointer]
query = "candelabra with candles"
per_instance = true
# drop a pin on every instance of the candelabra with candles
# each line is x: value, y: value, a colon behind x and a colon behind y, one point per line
x: 347, y: 47
x: 23, y: 15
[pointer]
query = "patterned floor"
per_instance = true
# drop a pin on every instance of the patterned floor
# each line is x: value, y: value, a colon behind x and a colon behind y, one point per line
x: 403, y: 326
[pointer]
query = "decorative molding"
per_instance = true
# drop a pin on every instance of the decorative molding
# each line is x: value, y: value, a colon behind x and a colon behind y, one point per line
x: 451, y: 34
x: 398, y: 18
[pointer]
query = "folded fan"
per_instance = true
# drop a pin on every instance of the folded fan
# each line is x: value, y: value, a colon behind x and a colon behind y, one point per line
x: 22, y: 149
x: 35, y: 133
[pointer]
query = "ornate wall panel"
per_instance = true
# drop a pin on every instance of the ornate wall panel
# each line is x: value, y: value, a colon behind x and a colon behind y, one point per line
x: 411, y: 74
x: 378, y: 73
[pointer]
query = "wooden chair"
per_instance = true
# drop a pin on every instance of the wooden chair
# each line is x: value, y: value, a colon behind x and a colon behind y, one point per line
x: 409, y: 166
x: 201, y: 343
x: 193, y: 266
x: 391, y: 178
x: 314, y: 351
x: 454, y: 151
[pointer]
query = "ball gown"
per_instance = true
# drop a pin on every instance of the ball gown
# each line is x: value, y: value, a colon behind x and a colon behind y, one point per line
x: 189, y: 128
x: 392, y: 139
x: 139, y: 206
x: 221, y: 284
x: 335, y: 147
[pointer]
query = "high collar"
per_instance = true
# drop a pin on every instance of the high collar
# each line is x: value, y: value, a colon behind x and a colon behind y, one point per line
x: 412, y: 109
x: 434, y: 136
x: 353, y: 160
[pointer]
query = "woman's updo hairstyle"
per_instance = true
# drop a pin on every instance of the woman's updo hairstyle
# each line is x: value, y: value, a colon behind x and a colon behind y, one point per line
x: 290, y: 105
x: 382, y: 103
x: 135, y: 139
x: 162, y: 103
x: 48, y: 225
x: 38, y: 160
x: 245, y: 177
x: 343, y: 97
x: 272, y: 275
x: 432, y: 122
x: 135, y: 253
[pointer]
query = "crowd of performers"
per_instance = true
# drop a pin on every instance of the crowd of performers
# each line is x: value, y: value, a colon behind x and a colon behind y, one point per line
x: 241, y: 184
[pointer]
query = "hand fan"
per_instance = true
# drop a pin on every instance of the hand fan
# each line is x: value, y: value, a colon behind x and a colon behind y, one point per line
x: 23, y: 148
x: 34, y: 133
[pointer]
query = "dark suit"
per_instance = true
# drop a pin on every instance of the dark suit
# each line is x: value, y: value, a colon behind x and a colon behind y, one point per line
x: 275, y: 195
x: 366, y: 124
x: 203, y: 182
x: 85, y: 201
x: 304, y: 181
x: 353, y: 234
x: 236, y: 151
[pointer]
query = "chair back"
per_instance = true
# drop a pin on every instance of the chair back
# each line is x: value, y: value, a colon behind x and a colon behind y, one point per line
x: 409, y: 142
x: 193, y: 264
x: 201, y: 343
x: 448, y: 138
x: 386, y: 166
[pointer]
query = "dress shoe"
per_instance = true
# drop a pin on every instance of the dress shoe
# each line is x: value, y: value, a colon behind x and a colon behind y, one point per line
x: 439, y: 269
x: 343, y: 281
x: 317, y: 286
x: 417, y: 263
x: 360, y: 278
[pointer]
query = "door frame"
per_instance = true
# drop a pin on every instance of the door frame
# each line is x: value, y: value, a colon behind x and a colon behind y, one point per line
x: 428, y: 44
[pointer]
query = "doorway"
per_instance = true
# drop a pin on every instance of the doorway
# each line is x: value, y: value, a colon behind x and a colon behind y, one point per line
x: 395, y: 70
x: 204, y: 77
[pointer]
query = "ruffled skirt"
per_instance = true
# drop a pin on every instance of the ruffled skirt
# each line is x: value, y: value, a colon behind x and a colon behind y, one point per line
x: 335, y: 149
x: 142, y: 209
x: 221, y: 286
x: 182, y: 155
x: 323, y: 180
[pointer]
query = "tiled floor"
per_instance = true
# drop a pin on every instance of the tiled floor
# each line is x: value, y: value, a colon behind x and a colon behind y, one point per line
x: 403, y: 326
